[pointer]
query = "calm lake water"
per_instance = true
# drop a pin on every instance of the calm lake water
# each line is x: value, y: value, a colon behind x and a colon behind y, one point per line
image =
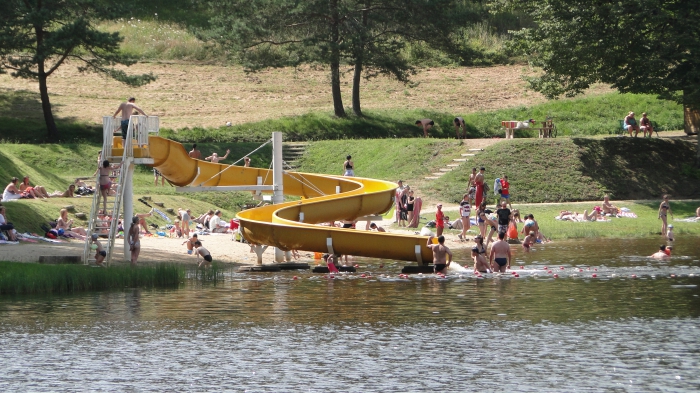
x: 275, y: 333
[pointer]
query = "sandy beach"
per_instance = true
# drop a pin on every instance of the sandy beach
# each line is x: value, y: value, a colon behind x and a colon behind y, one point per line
x: 164, y: 249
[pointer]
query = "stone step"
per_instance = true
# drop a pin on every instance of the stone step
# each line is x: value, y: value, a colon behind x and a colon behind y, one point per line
x: 438, y: 173
x: 453, y: 165
x: 459, y: 159
x: 445, y: 169
x: 431, y: 177
x: 467, y: 155
x: 476, y: 149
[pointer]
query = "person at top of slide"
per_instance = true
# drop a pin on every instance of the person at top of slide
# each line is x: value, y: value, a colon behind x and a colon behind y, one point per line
x: 479, y: 183
x: 442, y: 256
x: 348, y: 166
x: 214, y: 157
x: 460, y: 124
x: 127, y: 108
x: 426, y: 124
x: 194, y: 153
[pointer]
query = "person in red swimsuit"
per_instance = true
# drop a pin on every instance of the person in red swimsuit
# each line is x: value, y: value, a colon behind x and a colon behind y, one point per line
x: 479, y: 182
x: 439, y: 220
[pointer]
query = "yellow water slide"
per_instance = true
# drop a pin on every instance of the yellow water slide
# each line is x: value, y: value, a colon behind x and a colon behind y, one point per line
x: 294, y: 225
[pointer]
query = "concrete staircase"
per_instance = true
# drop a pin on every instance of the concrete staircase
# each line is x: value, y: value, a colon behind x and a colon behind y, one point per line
x: 292, y: 153
x: 456, y: 162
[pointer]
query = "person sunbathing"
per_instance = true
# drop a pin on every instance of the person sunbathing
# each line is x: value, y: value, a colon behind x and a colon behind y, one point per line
x: 35, y: 191
x: 11, y: 191
x: 609, y: 208
x: 66, y: 224
x: 69, y: 193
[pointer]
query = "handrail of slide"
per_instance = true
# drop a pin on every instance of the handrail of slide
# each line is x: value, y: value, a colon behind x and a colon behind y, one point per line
x: 292, y: 225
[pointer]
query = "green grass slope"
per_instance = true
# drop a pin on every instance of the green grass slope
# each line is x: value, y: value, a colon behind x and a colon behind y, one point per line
x: 579, y: 169
x: 55, y: 166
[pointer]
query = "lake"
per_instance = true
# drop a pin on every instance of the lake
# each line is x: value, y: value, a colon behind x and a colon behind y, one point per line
x: 632, y: 328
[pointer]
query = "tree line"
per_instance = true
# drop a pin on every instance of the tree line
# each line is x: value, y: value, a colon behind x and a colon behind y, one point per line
x: 639, y: 46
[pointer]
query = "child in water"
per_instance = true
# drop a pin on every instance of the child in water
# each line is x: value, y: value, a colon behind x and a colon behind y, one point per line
x: 204, y: 253
x: 669, y: 234
x: 100, y: 253
x: 529, y: 241
x: 190, y: 243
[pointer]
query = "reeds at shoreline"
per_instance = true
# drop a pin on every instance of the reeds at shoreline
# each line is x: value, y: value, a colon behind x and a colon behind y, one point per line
x: 29, y: 278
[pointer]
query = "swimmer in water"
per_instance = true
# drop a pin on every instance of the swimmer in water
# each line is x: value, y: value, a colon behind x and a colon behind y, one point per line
x: 442, y: 256
x: 661, y: 254
x: 669, y: 235
x: 529, y: 241
x: 500, y: 254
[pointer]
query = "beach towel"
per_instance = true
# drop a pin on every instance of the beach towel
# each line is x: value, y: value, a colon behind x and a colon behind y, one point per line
x: 627, y: 214
x: 160, y: 213
x: 689, y: 219
x: 417, y: 205
x: 497, y: 186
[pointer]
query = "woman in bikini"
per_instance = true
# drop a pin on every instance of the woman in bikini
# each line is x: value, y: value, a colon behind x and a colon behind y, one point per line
x: 63, y: 222
x: 36, y: 191
x: 106, y: 181
x: 664, y: 210
x: 11, y: 191
x: 134, y: 242
x: 484, y: 221
x: 479, y: 256
x: 348, y: 167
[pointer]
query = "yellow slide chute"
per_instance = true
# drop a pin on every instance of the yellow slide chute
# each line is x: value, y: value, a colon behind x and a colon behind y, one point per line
x: 326, y: 198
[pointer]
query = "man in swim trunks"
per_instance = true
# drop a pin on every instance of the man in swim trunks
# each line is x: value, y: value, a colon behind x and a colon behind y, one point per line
x: 194, y: 153
x: 440, y: 254
x: 426, y: 124
x: 459, y: 123
x: 204, y: 253
x: 504, y: 217
x: 500, y: 254
x: 479, y: 183
x: 127, y: 108
x: 661, y: 254
x: 100, y: 253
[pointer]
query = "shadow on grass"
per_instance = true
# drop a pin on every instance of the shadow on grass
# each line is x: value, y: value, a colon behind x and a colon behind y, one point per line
x: 636, y: 168
x: 22, y: 121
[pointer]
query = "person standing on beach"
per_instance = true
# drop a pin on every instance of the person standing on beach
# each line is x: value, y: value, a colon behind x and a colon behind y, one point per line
x: 505, y: 191
x: 504, y: 217
x: 426, y: 124
x: 397, y: 201
x: 134, y: 241
x: 127, y: 108
x: 500, y: 254
x: 664, y: 210
x: 194, y: 153
x: 460, y: 124
x: 439, y: 220
x: 479, y: 184
x: 440, y: 254
x: 348, y: 167
x: 465, y: 210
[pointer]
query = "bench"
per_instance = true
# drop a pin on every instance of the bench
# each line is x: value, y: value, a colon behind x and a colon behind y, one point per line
x: 654, y: 125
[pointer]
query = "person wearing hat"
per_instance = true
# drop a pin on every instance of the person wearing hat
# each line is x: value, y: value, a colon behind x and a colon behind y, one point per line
x: 439, y: 220
x: 631, y: 124
x: 100, y: 253
x: 127, y: 108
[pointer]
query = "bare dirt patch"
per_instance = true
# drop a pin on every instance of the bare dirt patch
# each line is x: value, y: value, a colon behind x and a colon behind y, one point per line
x: 187, y: 95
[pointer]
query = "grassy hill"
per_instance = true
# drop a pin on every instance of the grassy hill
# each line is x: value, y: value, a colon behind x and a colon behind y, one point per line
x: 580, y: 169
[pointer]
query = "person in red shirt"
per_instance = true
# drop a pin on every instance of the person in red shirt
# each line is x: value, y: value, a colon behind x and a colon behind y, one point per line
x: 505, y: 191
x: 439, y: 220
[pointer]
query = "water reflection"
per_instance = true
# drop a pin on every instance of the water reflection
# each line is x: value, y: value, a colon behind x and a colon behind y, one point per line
x: 634, y: 327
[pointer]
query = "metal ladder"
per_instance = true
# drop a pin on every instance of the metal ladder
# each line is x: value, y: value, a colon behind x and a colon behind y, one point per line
x: 97, y: 224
